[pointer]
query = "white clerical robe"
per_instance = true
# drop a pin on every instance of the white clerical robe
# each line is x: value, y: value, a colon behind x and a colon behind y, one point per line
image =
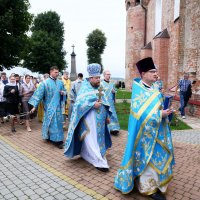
x: 90, y: 148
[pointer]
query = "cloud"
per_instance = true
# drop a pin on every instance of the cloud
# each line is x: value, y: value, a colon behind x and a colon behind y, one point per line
x: 82, y: 17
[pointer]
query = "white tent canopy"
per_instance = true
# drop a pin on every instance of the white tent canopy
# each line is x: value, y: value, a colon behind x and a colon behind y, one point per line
x: 21, y: 71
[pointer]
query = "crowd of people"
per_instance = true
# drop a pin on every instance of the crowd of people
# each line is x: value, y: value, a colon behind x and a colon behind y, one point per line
x: 88, y: 106
x: 15, y: 93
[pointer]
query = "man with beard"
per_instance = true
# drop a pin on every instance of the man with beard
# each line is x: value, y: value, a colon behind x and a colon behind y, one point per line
x: 88, y: 134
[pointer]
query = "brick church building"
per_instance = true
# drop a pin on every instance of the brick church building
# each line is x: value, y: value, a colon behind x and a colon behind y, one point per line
x: 169, y: 32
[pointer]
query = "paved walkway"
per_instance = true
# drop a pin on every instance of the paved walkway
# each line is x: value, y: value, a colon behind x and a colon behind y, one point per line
x: 193, y: 122
x: 21, y: 178
x: 185, y: 136
x: 34, y: 169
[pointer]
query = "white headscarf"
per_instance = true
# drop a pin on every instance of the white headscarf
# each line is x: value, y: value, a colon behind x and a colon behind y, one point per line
x: 1, y: 89
x: 11, y: 84
x: 2, y: 99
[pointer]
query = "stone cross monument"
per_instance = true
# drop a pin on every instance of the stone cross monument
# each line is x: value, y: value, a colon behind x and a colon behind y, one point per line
x: 73, y: 74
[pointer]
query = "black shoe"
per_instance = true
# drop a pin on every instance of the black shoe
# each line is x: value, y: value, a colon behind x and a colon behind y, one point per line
x: 59, y: 144
x: 13, y: 130
x: 102, y: 169
x: 115, y: 133
x: 158, y: 196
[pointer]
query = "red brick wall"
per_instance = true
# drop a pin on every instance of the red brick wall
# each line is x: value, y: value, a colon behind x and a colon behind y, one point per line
x: 150, y: 22
x: 183, y: 46
x: 192, y: 34
x: 161, y: 45
x: 135, y: 23
x: 145, y: 53
x: 173, y: 51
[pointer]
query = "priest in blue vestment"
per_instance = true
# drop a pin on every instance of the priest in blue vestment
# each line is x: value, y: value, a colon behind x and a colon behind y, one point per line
x: 109, y: 89
x: 88, y: 134
x: 148, y: 157
x: 53, y: 94
x: 73, y: 93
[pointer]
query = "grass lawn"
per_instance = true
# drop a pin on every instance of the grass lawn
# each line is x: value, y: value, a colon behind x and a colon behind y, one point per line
x: 123, y: 94
x: 123, y: 110
x: 178, y: 125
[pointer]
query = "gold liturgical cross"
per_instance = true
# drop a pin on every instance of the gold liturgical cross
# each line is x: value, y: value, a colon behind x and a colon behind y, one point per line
x: 100, y: 94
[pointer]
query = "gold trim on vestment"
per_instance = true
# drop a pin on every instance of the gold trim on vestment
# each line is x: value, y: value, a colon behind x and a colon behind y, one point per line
x: 140, y: 132
x: 161, y: 185
x: 134, y: 114
x: 166, y: 181
x: 144, y: 123
x: 165, y: 168
x: 146, y: 104
x: 127, y: 165
x: 154, y: 143
x: 162, y: 145
x: 149, y: 193
x: 155, y: 168
x: 168, y: 162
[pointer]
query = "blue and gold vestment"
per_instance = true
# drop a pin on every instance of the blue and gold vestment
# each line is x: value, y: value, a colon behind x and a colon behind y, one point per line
x: 78, y: 129
x: 49, y: 92
x: 149, y: 141
x: 108, y: 87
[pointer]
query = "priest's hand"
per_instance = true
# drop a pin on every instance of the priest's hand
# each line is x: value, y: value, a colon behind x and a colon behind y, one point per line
x: 107, y: 120
x: 113, y: 91
x: 97, y: 104
x: 32, y: 110
x: 166, y: 112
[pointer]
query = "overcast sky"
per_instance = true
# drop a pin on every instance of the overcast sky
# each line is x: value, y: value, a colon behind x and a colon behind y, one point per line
x: 81, y: 18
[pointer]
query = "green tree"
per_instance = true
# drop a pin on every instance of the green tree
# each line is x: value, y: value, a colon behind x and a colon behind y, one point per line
x: 15, y: 21
x: 45, y: 47
x: 96, y: 42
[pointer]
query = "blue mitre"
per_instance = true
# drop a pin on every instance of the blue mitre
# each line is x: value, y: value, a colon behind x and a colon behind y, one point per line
x: 94, y: 69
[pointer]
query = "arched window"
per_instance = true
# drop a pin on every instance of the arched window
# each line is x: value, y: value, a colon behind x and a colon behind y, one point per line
x: 128, y: 5
x: 158, y: 17
x: 176, y: 9
x: 137, y: 2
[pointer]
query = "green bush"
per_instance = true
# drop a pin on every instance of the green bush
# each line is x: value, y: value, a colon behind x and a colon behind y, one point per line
x: 123, y: 111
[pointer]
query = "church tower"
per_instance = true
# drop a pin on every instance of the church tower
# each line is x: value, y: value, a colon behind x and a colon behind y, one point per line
x: 135, y: 38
